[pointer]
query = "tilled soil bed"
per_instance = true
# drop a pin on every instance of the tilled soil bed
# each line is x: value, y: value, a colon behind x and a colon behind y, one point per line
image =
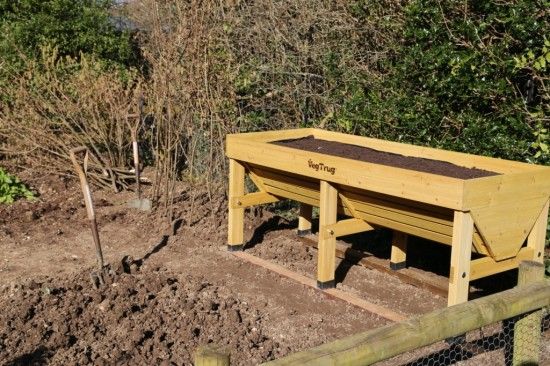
x: 148, y: 316
x: 186, y: 290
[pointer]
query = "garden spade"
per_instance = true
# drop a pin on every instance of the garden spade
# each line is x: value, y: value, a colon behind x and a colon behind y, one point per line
x: 139, y: 203
x: 96, y: 277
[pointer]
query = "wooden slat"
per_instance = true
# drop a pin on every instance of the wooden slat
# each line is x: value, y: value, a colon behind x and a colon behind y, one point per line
x: 310, y: 196
x: 255, y: 179
x: 487, y: 266
x: 461, y: 252
x: 479, y: 245
x: 346, y: 227
x: 290, y: 181
x: 304, y: 196
x: 265, y: 136
x: 300, y: 196
x: 339, y: 294
x: 400, y: 215
x: 252, y: 199
x: 369, y: 202
x: 363, y: 202
x: 348, y: 205
x: 430, y: 212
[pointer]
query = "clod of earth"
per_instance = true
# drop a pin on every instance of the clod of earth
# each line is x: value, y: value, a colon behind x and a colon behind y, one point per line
x: 141, y: 317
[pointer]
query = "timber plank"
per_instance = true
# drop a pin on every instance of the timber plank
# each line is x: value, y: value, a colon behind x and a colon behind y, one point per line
x: 266, y: 136
x: 487, y: 266
x: 346, y: 227
x: 336, y: 293
x: 252, y: 199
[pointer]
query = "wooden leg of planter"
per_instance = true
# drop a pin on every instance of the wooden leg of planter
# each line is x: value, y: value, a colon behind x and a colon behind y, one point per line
x: 235, y: 226
x: 461, y: 254
x: 398, y: 251
x: 326, y: 263
x: 304, y: 219
x: 537, y: 235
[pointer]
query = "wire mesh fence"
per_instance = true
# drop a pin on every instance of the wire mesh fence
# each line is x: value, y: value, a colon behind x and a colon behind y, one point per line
x: 523, y: 340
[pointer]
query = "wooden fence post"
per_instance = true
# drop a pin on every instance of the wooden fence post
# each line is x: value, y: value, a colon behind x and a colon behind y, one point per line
x: 211, y: 356
x: 527, y: 334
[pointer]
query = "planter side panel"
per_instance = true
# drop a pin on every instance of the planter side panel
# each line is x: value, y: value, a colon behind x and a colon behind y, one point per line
x: 506, y: 207
x: 408, y: 184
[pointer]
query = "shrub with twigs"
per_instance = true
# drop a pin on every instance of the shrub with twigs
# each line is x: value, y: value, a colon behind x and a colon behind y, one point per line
x: 59, y: 103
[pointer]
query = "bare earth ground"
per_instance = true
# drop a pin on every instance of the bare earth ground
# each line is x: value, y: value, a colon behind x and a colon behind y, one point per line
x: 166, y: 294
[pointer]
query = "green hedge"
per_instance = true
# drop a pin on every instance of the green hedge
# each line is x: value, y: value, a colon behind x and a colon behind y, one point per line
x: 467, y: 76
x: 71, y: 26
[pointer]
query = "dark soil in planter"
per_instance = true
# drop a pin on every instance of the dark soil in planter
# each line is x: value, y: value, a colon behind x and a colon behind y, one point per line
x: 369, y: 155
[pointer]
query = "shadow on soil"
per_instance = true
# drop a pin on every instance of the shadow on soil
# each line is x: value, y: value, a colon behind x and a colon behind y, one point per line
x: 274, y: 223
x: 127, y: 261
x: 36, y: 358
x: 421, y: 254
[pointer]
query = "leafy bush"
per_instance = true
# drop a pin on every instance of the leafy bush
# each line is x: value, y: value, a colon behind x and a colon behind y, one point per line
x: 11, y: 188
x: 468, y: 76
x: 71, y: 26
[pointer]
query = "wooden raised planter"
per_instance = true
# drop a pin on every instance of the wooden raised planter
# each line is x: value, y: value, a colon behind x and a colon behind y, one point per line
x: 502, y: 217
